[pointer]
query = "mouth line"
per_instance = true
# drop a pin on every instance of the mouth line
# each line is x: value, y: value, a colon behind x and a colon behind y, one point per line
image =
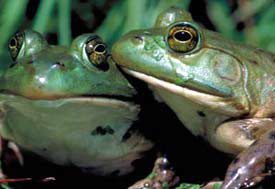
x: 122, y: 98
x: 230, y: 106
x: 177, y: 89
x: 126, y: 99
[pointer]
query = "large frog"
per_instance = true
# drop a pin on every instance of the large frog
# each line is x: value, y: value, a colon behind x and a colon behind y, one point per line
x: 71, y: 106
x: 219, y: 89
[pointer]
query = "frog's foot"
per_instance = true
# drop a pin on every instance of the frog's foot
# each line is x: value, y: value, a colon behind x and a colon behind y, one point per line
x: 253, y: 164
x: 162, y: 177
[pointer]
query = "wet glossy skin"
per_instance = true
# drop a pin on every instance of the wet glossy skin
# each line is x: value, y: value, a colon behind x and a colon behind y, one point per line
x: 219, y: 89
x: 71, y: 106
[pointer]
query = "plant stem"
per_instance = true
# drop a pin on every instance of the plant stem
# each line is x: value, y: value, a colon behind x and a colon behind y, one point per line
x: 64, y: 22
x: 43, y: 15
x: 12, y: 12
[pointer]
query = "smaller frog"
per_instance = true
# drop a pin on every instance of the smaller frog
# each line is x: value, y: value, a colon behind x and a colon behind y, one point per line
x: 220, y: 90
x: 71, y: 106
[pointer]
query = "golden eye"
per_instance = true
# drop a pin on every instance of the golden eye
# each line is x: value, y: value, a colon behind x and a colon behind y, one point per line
x: 182, y: 38
x: 97, y: 53
x: 15, y: 44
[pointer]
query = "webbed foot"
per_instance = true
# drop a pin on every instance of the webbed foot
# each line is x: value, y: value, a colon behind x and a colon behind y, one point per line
x: 253, y: 164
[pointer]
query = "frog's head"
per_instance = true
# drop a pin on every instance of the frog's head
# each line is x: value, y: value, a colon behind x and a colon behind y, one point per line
x: 43, y: 71
x: 181, y: 57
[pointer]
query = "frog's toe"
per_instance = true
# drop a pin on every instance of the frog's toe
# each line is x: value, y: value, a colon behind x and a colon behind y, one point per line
x: 162, y: 177
x: 252, y: 165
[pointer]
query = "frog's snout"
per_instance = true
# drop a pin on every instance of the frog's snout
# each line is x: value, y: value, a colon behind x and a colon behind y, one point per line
x: 135, y: 39
x: 130, y: 47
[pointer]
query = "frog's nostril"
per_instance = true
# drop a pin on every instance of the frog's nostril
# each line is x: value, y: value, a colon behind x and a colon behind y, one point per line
x: 146, y: 33
x: 137, y: 37
x: 59, y: 65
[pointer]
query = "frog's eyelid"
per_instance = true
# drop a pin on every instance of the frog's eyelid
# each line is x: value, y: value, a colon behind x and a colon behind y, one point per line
x: 92, y: 37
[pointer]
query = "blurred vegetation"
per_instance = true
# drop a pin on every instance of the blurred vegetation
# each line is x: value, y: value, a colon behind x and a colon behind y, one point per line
x: 250, y: 21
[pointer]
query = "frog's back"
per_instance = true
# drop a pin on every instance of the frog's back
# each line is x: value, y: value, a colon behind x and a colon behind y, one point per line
x: 260, y: 83
x: 263, y: 78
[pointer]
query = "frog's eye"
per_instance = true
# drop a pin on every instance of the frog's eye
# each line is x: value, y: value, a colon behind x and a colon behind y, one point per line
x: 97, y: 53
x: 15, y: 44
x: 182, y: 38
x: 26, y: 43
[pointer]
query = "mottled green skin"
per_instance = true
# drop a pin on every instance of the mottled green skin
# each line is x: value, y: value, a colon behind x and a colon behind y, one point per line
x: 56, y: 103
x: 221, y: 90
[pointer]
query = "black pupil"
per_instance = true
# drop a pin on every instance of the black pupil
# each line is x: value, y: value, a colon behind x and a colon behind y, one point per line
x: 100, y: 48
x: 13, y: 42
x: 183, y: 36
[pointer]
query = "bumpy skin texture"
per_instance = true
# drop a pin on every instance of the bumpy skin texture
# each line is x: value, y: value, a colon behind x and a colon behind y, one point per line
x: 219, y: 89
x: 71, y: 106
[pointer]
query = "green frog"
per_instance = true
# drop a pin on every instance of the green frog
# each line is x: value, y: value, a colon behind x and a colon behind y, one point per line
x: 70, y: 105
x: 220, y: 90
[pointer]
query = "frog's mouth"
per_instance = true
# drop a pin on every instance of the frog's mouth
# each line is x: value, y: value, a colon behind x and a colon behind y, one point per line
x: 101, y: 100
x: 104, y: 101
x: 176, y: 89
x: 209, y: 100
x: 132, y: 99
x: 108, y: 100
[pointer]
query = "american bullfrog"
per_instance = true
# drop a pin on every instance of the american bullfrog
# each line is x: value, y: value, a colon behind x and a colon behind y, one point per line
x: 71, y: 106
x: 220, y: 90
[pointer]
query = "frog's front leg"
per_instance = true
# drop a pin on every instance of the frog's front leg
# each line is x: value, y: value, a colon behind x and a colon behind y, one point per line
x: 256, y: 158
x: 235, y: 136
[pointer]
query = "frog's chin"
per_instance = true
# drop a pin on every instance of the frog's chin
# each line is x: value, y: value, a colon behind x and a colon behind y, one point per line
x: 209, y: 100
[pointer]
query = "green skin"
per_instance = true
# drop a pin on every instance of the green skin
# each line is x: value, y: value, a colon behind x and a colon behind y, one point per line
x: 219, y: 89
x: 57, y: 103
